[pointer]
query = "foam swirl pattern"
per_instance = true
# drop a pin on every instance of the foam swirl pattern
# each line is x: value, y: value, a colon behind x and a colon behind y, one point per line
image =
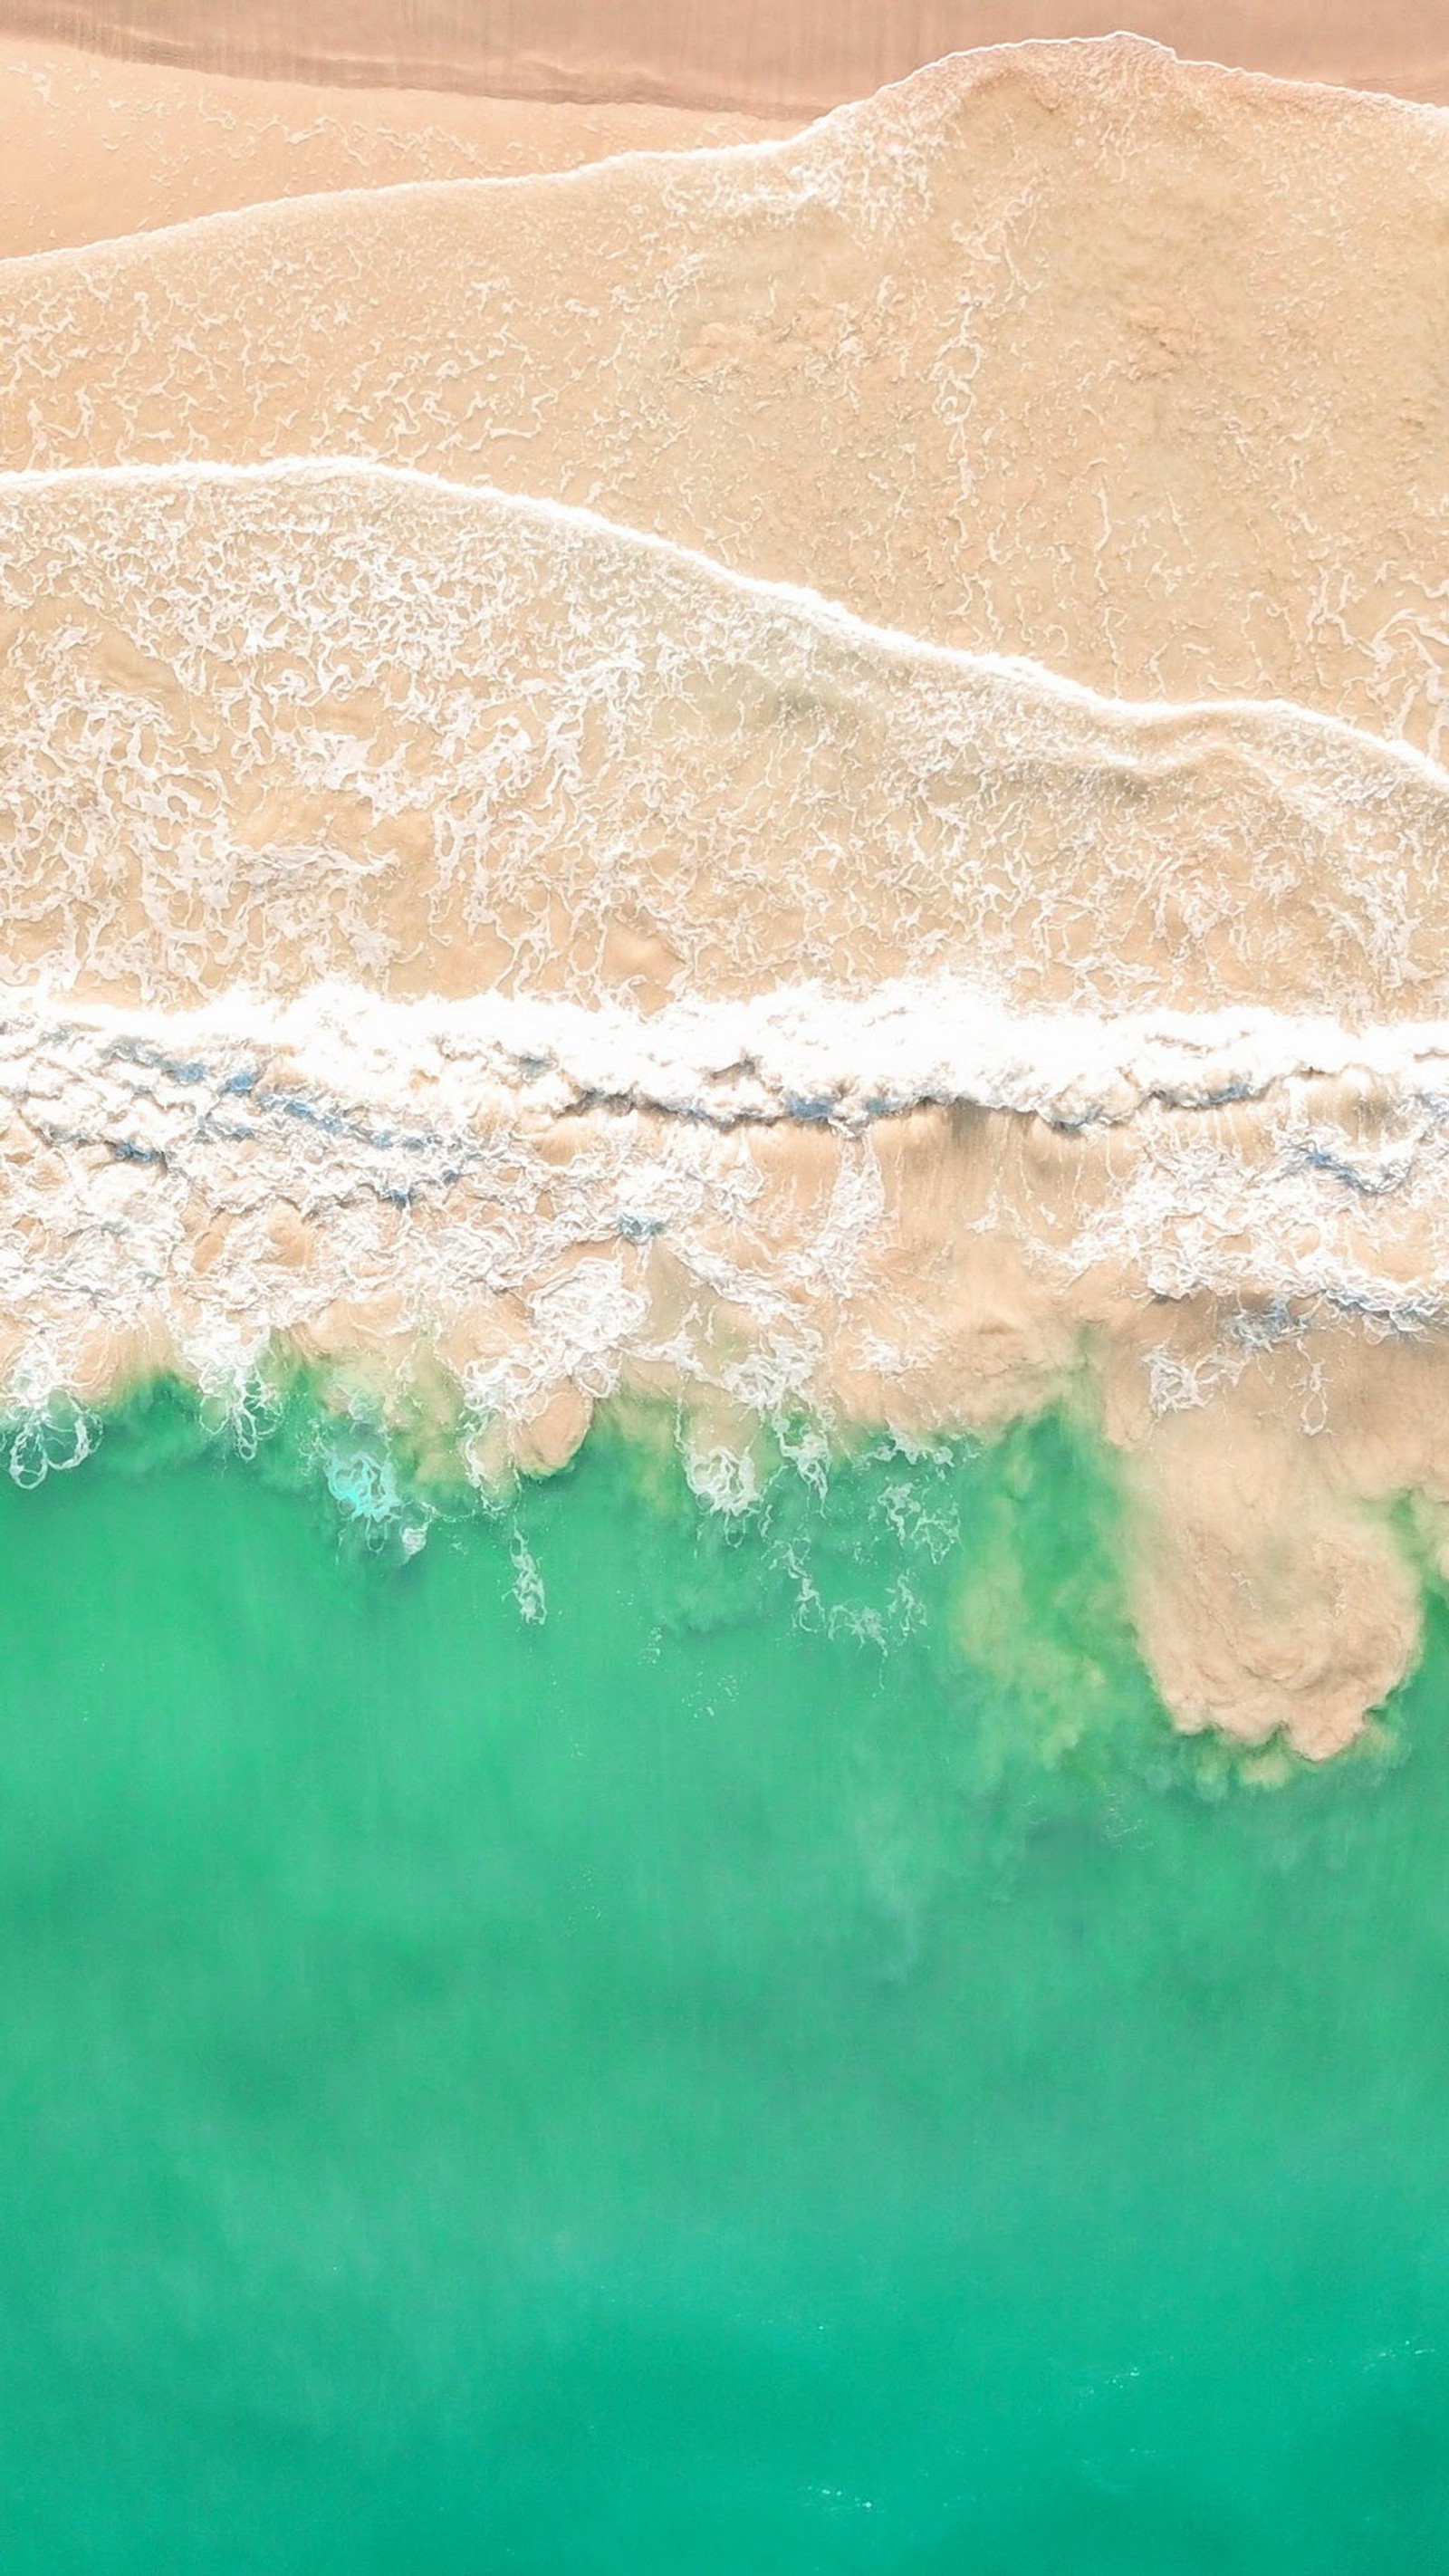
x: 1041, y: 351
x: 517, y: 959
x: 269, y: 726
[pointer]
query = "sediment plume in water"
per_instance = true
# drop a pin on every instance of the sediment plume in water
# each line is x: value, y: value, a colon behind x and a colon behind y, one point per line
x: 1241, y: 1298
x: 409, y: 886
x: 1041, y: 351
x: 724, y: 1229
x: 604, y: 805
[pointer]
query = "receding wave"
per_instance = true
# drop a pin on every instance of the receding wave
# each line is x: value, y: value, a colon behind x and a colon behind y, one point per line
x: 520, y: 966
x: 1040, y: 351
x: 269, y: 726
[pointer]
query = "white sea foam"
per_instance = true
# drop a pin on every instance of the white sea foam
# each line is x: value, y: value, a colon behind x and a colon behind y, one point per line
x: 910, y: 1210
x: 1070, y: 348
x: 269, y: 726
x: 798, y: 1055
x: 454, y: 938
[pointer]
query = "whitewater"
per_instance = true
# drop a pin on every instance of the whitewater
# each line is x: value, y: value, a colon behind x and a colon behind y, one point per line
x: 408, y: 891
x: 511, y: 904
x: 724, y: 1293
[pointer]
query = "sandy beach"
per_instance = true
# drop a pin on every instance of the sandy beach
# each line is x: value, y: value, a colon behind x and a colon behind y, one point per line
x: 97, y: 146
x: 1040, y: 352
x: 652, y: 756
x: 758, y: 59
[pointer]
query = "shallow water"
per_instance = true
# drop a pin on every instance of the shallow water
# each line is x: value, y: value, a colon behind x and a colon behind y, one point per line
x: 782, y: 2061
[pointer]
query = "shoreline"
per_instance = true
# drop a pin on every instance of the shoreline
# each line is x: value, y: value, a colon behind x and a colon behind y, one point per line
x: 531, y: 965
x: 100, y: 146
x: 1242, y: 1297
x: 390, y: 1485
x: 640, y: 334
x: 722, y: 59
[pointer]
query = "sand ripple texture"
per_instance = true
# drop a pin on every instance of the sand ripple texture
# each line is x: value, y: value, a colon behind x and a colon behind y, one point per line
x: 798, y: 782
x: 1074, y: 351
x: 268, y: 726
x: 96, y: 146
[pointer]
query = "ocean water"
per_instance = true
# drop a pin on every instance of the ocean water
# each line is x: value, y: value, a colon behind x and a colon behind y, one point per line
x: 623, y: 2039
x: 764, y: 1885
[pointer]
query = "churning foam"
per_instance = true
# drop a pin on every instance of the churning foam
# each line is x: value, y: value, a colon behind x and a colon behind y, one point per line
x: 404, y: 883
x: 536, y: 965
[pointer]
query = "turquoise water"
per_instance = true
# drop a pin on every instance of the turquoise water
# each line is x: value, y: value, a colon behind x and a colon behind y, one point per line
x: 780, y: 2062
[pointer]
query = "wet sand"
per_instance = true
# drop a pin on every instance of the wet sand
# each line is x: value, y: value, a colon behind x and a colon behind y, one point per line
x: 790, y: 61
x: 471, y: 915
x: 1042, y: 352
x: 266, y: 726
x: 96, y: 146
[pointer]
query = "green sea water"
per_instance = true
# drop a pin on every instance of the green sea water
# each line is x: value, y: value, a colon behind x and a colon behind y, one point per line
x: 624, y: 2044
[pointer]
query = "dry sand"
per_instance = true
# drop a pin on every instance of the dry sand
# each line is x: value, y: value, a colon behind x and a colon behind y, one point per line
x: 770, y: 57
x: 95, y: 147
x: 1041, y: 352
x: 448, y: 932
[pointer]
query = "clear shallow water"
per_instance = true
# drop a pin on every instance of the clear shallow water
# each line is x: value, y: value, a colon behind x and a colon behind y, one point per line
x: 664, y: 2087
